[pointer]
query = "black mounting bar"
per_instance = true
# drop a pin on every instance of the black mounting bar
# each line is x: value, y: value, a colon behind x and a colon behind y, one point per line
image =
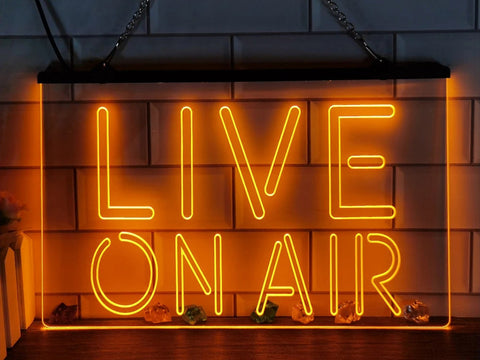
x: 413, y: 70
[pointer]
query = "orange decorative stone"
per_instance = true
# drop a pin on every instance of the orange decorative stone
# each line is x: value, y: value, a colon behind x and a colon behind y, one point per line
x: 158, y: 313
x: 299, y: 314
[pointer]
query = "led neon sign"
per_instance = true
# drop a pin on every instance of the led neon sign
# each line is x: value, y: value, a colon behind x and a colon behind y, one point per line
x: 340, y: 208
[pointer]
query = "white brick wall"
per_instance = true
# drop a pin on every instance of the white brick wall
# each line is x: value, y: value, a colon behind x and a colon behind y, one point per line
x: 219, y: 34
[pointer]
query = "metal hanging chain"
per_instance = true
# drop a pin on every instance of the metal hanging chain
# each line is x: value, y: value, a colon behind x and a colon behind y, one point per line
x: 128, y: 31
x: 350, y: 28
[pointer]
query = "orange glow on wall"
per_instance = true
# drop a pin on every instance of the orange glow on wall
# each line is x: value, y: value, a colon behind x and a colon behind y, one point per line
x: 107, y: 211
x: 337, y: 114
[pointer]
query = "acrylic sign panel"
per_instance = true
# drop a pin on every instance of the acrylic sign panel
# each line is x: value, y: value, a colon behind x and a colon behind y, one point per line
x: 312, y: 193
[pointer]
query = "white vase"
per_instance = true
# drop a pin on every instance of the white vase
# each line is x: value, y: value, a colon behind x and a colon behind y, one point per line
x: 8, y: 283
x: 3, y: 340
x: 23, y: 247
x: 25, y: 279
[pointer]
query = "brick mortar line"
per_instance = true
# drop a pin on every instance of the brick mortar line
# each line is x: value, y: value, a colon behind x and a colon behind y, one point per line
x: 310, y: 261
x: 251, y: 230
x: 305, y: 165
x: 79, y: 306
x: 232, y: 65
x: 309, y: 132
x: 149, y: 133
x: 471, y: 261
x: 75, y: 200
x: 310, y: 16
x: 280, y: 33
x: 242, y: 100
x: 234, y: 201
x: 148, y: 23
x: 394, y: 191
x: 245, y: 99
x: 254, y: 292
x: 476, y: 14
x: 472, y: 132
x: 245, y: 34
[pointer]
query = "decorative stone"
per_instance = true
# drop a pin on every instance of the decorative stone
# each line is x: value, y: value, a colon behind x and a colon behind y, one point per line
x: 298, y: 314
x: 268, y: 315
x: 194, y: 314
x: 158, y: 313
x: 63, y: 314
x: 346, y: 313
x: 417, y: 312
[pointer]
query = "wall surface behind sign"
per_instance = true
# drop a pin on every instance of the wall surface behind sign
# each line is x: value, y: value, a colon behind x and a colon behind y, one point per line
x: 222, y: 34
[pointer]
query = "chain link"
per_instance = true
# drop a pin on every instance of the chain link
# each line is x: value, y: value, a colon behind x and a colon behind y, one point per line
x: 350, y: 29
x: 135, y: 18
x: 332, y: 5
x: 128, y: 31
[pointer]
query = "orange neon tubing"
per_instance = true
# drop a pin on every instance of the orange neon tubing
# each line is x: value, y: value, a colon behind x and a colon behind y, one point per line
x: 379, y: 281
x: 255, y: 201
x: 447, y: 156
x: 297, y: 273
x: 183, y: 253
x: 218, y: 274
x: 340, y: 205
x: 103, y: 123
x: 276, y: 168
x: 359, y: 283
x: 281, y: 144
x: 333, y: 274
x: 42, y: 210
x: 103, y: 299
x: 281, y: 291
x: 186, y: 124
x: 351, y: 162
